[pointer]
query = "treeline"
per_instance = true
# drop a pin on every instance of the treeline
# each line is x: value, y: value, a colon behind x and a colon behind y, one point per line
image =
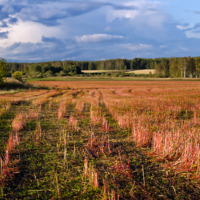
x: 45, y: 69
x: 165, y: 67
x: 112, y: 64
x: 179, y: 67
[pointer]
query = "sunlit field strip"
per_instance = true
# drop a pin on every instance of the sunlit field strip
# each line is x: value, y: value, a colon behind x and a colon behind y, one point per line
x: 135, y: 85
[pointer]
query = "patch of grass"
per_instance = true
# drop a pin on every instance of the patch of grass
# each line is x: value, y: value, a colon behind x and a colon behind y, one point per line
x: 15, y: 86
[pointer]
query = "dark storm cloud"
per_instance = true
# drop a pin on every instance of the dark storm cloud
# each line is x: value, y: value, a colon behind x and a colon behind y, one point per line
x: 196, y: 26
x: 50, y: 15
x: 12, y: 20
x: 13, y: 46
x: 53, y: 40
x: 3, y: 25
x: 121, y: 7
x: 4, y: 35
x: 3, y: 15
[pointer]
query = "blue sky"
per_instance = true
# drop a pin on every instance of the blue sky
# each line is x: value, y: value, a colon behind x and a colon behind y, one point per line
x: 43, y: 30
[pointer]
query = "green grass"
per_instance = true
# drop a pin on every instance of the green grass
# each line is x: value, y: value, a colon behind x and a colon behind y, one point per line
x: 112, y: 79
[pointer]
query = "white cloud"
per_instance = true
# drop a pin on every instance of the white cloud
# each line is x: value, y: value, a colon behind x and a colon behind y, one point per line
x: 27, y: 32
x: 191, y: 34
x: 107, y: 28
x: 137, y: 47
x: 146, y: 13
x: 97, y: 38
x: 39, y: 12
x: 112, y: 14
x: 181, y: 27
x: 163, y: 46
x: 183, y: 48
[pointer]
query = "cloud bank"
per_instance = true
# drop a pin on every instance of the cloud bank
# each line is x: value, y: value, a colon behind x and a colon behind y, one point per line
x: 94, y: 29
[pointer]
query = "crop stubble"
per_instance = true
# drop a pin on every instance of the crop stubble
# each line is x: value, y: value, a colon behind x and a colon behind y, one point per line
x: 104, y: 140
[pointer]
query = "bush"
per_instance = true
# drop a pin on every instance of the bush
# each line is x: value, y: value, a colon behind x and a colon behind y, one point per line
x: 122, y: 74
x: 3, y: 70
x: 17, y: 75
x: 107, y: 74
x: 62, y: 73
x: 38, y: 75
x: 72, y: 70
x: 48, y: 73
x: 8, y: 74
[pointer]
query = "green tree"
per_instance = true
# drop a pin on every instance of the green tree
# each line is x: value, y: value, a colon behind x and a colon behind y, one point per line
x: 191, y: 67
x: 174, y: 69
x: 3, y: 70
x: 158, y: 70
x: 165, y: 68
x: 183, y: 64
x: 17, y: 75
x: 197, y: 66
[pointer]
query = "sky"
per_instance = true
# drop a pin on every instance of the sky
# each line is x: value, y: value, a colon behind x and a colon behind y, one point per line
x: 47, y: 30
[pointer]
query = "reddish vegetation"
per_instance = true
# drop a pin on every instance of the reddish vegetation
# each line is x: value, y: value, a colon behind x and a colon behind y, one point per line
x: 20, y: 120
x: 79, y: 106
x: 140, y: 86
x: 166, y: 120
x: 61, y: 110
x: 4, y: 163
x: 163, y: 116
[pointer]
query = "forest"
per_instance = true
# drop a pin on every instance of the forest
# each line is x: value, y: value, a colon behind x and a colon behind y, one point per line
x: 164, y: 67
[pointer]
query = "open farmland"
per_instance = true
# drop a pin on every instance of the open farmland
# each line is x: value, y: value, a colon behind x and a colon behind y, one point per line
x: 101, y: 140
x: 143, y: 71
x: 101, y: 71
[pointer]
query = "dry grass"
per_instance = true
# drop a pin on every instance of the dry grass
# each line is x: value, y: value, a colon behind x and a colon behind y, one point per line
x: 142, y: 71
x: 137, y: 85
x: 101, y: 71
x: 109, y: 123
x: 11, y: 80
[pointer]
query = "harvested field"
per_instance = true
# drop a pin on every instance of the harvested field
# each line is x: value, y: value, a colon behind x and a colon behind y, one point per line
x: 101, y: 140
x: 101, y: 71
x: 142, y: 71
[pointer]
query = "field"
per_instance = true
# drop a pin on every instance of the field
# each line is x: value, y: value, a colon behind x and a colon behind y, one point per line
x: 101, y: 140
x: 100, y: 71
x: 143, y: 71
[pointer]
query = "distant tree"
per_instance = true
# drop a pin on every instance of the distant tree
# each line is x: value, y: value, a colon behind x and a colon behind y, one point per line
x: 174, y: 69
x: 3, y: 70
x: 197, y: 67
x: 162, y: 69
x: 62, y: 73
x: 34, y: 69
x: 158, y: 70
x: 48, y: 73
x: 17, y: 75
x: 150, y: 75
x: 183, y: 64
x: 165, y: 68
x: 191, y: 67
x: 72, y: 70
x: 12, y: 70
